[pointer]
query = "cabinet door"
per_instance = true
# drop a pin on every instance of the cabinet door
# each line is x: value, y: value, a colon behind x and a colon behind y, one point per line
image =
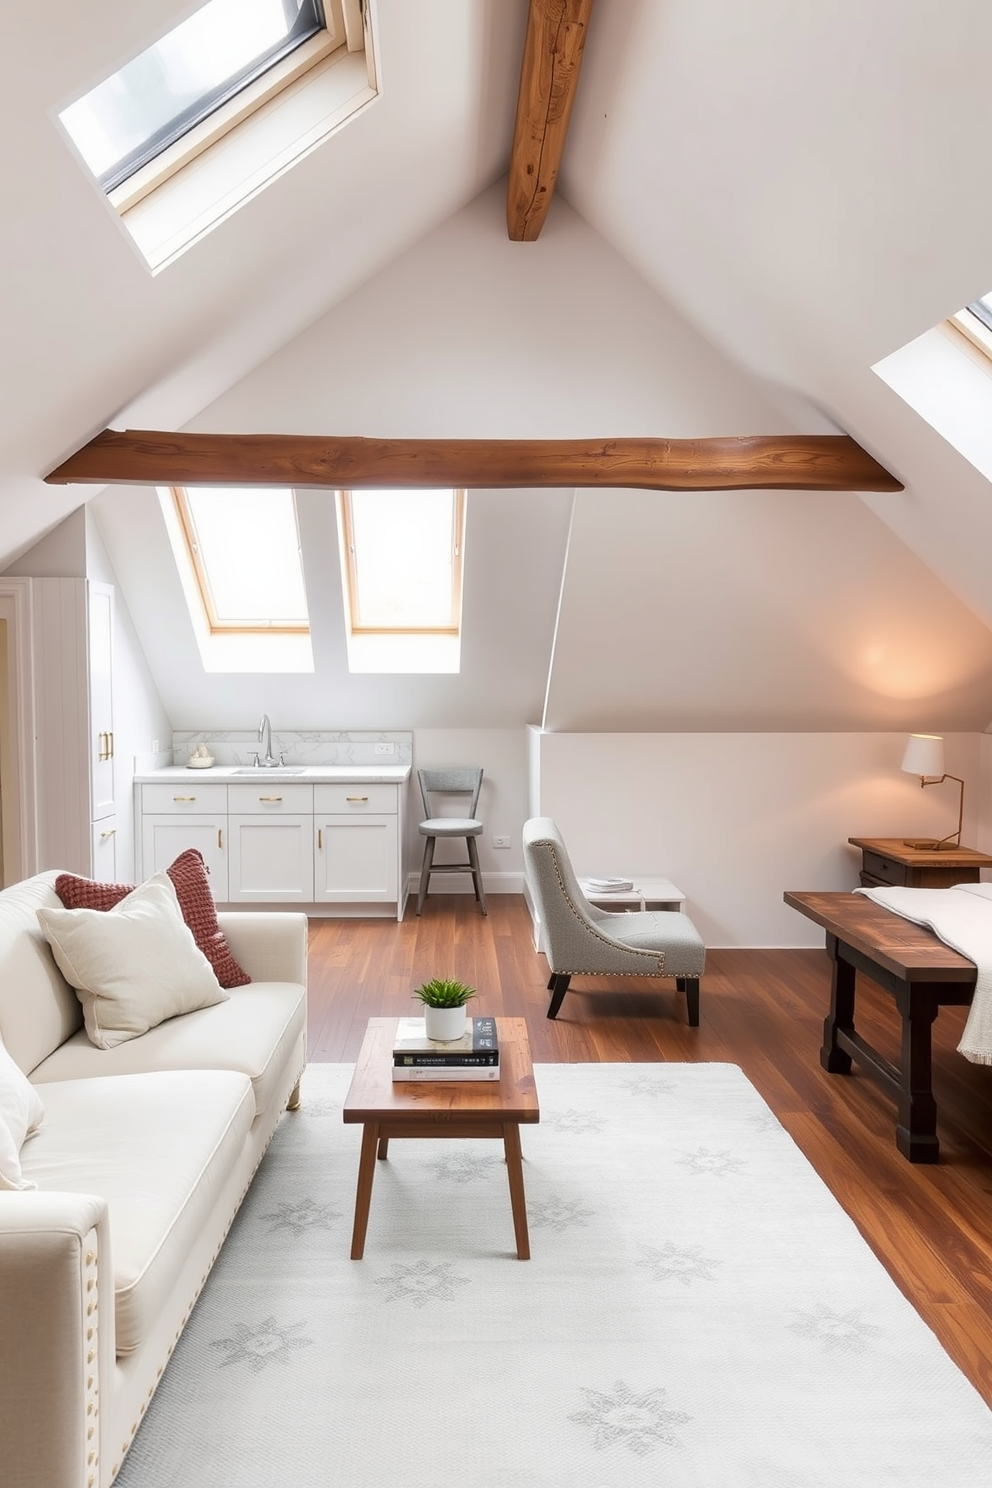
x: 356, y: 859
x: 100, y: 617
x: 163, y: 838
x: 104, y: 849
x: 271, y: 860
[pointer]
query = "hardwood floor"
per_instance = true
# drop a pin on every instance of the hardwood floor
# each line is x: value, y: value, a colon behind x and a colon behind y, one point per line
x: 931, y: 1226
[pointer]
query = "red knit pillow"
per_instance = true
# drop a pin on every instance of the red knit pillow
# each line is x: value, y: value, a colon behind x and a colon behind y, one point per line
x: 189, y: 879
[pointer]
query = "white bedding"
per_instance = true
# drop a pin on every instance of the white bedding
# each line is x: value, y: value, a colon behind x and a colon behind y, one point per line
x: 962, y: 918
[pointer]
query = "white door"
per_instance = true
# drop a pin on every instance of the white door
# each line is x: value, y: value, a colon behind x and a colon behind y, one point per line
x: 356, y: 859
x: 271, y: 859
x: 163, y: 838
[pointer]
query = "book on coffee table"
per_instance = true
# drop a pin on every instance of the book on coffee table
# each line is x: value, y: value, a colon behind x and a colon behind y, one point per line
x: 424, y: 1072
x: 475, y: 1054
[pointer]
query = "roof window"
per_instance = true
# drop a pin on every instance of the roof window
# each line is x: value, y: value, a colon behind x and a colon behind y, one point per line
x: 212, y: 112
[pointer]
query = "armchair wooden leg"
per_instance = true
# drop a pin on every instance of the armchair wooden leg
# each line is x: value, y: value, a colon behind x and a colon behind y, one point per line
x: 690, y: 986
x: 557, y: 986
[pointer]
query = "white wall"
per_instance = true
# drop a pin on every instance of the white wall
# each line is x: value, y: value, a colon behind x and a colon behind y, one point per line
x: 736, y: 819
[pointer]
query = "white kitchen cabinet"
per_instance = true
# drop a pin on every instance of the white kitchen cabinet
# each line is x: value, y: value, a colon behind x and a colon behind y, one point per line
x: 328, y: 848
x: 164, y: 837
x: 271, y: 859
x: 357, y: 844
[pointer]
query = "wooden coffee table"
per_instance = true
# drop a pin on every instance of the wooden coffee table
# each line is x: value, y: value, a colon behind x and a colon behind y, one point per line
x: 441, y: 1108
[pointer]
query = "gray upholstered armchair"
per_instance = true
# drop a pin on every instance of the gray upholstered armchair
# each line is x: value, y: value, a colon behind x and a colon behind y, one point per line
x: 580, y: 939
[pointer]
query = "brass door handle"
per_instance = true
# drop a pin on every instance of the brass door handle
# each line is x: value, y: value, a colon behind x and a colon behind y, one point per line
x: 111, y: 833
x: 220, y: 839
x: 320, y: 839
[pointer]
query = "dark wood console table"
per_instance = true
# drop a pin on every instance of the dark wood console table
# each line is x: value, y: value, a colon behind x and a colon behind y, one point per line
x: 921, y: 974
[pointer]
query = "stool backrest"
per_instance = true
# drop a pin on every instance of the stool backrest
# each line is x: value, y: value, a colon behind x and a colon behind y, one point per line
x: 460, y: 780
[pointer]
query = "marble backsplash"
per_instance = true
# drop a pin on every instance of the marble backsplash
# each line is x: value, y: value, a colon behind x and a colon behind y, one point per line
x: 300, y: 746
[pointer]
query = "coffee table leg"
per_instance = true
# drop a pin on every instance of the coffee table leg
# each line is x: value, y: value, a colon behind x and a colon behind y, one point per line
x: 363, y: 1196
x: 515, y: 1174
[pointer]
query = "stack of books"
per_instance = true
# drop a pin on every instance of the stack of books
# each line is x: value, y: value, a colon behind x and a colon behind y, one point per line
x: 608, y: 885
x: 475, y: 1056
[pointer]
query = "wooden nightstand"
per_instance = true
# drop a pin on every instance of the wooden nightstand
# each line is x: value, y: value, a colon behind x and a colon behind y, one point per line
x: 887, y: 860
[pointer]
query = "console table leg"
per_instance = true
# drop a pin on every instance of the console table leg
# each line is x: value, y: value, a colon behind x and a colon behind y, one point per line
x: 841, y: 1016
x: 916, y: 1131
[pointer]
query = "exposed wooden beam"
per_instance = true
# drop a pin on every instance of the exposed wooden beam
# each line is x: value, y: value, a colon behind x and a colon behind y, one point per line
x: 796, y: 462
x: 549, y: 75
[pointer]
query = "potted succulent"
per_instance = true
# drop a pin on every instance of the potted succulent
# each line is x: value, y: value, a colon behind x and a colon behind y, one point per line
x: 444, y: 1002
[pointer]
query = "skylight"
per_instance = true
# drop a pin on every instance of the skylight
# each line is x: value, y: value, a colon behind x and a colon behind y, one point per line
x: 210, y: 114
x: 167, y: 90
x: 404, y: 552
x: 402, y: 560
x: 244, y: 549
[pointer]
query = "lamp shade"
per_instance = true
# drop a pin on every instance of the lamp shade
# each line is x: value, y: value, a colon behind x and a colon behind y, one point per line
x: 924, y: 755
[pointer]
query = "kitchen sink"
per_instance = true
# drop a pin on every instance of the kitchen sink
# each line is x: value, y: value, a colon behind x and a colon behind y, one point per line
x: 260, y: 772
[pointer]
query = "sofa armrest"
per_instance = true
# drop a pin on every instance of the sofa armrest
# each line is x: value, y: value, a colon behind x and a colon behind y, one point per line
x: 272, y: 947
x: 56, y: 1337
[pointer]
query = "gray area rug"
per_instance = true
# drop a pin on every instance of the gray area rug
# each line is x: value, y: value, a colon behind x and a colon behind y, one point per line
x: 698, y: 1313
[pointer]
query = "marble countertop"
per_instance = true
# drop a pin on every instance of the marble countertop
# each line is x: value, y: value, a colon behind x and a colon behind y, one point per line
x: 306, y: 774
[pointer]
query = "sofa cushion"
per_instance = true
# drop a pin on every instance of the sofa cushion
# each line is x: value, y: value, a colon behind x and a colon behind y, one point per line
x: 21, y: 1112
x: 38, y: 1008
x: 133, y: 966
x: 189, y: 879
x: 254, y: 1032
x: 159, y: 1148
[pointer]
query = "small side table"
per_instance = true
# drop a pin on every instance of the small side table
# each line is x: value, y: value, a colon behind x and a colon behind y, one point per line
x: 888, y: 860
x: 647, y: 893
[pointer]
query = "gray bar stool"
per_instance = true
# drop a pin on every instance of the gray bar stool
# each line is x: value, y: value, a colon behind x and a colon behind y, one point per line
x: 455, y: 781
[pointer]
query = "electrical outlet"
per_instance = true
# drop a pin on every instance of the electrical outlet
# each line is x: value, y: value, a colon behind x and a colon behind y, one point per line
x: 154, y: 746
x: 381, y: 748
x: 501, y: 842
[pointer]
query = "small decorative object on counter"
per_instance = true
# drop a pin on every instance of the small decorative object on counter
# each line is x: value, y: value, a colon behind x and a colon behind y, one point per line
x: 444, y: 1002
x: 200, y: 759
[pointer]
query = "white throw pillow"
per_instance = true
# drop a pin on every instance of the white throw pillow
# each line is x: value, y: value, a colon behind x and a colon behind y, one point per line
x: 132, y: 966
x: 21, y: 1111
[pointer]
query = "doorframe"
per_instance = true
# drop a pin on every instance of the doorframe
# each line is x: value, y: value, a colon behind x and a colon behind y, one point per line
x: 18, y: 772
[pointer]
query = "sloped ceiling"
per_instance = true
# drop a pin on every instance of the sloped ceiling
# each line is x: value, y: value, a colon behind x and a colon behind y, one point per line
x: 798, y: 183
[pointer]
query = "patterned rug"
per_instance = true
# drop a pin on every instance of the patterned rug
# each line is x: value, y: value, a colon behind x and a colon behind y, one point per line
x: 698, y: 1313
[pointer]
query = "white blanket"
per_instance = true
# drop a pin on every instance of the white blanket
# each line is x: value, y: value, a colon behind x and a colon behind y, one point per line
x: 962, y: 918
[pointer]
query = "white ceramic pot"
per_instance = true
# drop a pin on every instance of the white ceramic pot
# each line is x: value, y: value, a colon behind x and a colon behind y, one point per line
x: 445, y: 1024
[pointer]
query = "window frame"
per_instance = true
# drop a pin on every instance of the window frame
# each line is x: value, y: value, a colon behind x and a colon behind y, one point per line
x: 453, y: 628
x: 216, y: 626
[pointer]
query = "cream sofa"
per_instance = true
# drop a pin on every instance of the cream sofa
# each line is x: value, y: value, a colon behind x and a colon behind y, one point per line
x: 142, y: 1159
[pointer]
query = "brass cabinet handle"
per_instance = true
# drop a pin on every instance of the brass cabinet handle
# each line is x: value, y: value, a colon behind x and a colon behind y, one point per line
x: 320, y: 839
x: 357, y: 799
x: 270, y: 798
x: 220, y: 838
x: 111, y: 833
x: 184, y: 798
x: 104, y: 752
x: 110, y: 745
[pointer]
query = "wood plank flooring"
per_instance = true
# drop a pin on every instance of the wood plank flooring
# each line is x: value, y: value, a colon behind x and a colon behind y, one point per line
x: 931, y: 1226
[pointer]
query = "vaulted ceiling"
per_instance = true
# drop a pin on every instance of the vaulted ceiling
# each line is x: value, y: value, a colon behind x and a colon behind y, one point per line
x: 796, y: 187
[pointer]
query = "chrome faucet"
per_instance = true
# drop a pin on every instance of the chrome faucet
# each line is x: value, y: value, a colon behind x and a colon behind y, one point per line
x: 268, y: 760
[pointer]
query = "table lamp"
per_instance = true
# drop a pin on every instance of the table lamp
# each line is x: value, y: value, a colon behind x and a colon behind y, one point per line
x: 925, y: 757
